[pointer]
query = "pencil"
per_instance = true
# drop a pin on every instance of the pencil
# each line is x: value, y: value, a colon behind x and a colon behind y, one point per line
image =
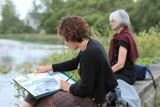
x: 69, y: 78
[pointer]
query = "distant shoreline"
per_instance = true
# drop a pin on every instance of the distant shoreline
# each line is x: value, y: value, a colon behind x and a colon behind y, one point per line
x: 33, y: 38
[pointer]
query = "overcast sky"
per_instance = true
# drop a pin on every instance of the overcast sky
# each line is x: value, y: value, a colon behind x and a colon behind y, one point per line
x: 23, y: 6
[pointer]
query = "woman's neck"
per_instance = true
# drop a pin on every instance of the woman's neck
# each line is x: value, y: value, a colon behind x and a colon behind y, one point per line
x: 83, y: 44
x: 119, y: 29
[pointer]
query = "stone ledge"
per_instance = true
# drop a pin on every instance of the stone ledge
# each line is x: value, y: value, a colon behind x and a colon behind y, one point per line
x: 145, y: 88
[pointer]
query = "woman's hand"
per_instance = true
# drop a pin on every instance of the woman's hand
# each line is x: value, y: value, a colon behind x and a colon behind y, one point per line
x: 65, y: 85
x: 41, y: 69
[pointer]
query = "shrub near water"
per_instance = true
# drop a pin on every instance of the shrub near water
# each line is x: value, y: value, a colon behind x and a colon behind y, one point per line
x: 67, y: 54
x: 148, y: 44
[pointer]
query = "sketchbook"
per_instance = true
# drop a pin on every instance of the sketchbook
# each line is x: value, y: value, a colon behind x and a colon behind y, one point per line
x: 43, y: 84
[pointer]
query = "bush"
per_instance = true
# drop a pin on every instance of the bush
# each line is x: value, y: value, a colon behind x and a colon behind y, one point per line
x: 145, y: 61
x: 148, y: 44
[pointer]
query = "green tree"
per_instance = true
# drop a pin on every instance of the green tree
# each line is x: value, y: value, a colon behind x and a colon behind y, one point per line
x: 8, y: 18
x: 35, y: 12
x: 95, y: 12
x: 54, y: 11
x: 10, y: 22
x: 145, y: 14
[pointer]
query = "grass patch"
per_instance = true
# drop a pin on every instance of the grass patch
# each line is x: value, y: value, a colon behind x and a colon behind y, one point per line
x: 146, y: 61
x: 34, y: 38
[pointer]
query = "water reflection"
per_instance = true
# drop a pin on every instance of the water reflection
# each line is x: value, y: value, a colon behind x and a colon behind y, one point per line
x: 19, y: 52
x: 6, y: 64
x: 15, y: 58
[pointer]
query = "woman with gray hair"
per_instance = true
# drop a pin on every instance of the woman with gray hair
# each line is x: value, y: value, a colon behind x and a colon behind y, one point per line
x: 123, y: 50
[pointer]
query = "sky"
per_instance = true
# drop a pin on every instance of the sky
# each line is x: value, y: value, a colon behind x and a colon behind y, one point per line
x: 22, y: 7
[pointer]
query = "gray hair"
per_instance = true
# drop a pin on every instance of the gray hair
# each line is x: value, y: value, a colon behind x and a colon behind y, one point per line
x: 121, y: 18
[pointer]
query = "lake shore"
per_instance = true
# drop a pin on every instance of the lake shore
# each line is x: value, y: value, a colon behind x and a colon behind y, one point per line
x: 33, y: 38
x: 18, y: 57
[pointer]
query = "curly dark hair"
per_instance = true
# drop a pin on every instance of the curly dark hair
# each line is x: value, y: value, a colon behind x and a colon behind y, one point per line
x: 73, y: 28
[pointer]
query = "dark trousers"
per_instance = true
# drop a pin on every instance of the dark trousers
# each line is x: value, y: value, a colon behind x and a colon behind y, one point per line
x: 129, y: 80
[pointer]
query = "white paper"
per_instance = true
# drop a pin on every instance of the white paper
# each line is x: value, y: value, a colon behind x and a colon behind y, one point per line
x: 38, y: 84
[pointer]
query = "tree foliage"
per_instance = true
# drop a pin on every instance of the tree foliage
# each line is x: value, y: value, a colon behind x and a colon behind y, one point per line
x: 10, y: 22
x: 143, y: 14
x: 95, y: 12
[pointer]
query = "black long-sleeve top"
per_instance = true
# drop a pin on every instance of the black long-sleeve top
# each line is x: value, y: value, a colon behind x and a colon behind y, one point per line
x: 97, y: 77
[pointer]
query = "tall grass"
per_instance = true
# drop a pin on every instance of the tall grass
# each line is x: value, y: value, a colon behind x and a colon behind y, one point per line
x: 148, y: 44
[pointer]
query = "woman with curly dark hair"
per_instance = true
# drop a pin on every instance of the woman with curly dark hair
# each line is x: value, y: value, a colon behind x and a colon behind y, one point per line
x: 96, y: 75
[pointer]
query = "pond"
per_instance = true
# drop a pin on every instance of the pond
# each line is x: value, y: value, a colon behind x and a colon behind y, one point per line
x: 13, y: 53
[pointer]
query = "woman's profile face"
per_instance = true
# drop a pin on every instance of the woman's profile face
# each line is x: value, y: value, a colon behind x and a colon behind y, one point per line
x: 70, y: 44
x: 113, y: 24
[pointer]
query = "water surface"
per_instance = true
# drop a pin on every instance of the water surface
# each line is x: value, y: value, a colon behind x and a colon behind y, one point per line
x: 13, y: 53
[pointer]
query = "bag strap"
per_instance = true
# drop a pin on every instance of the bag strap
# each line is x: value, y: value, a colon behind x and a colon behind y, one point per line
x: 150, y: 74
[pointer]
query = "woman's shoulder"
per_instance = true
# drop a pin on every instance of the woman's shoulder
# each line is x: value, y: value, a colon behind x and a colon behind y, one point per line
x: 94, y: 48
x: 94, y: 43
x: 123, y: 43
